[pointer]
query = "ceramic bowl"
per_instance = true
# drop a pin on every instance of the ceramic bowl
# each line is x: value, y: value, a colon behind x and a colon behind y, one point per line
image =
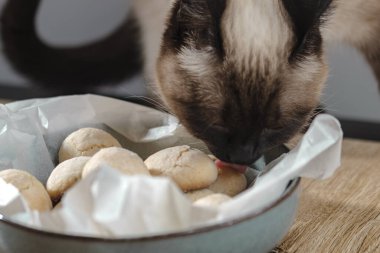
x: 257, y: 232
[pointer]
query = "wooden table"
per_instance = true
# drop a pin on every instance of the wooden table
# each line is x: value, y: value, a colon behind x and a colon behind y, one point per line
x: 341, y: 214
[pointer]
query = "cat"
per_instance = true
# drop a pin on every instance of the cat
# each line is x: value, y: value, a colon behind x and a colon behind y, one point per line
x: 241, y: 75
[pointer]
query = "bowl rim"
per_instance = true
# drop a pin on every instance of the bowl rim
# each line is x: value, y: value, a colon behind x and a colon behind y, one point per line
x: 292, y: 187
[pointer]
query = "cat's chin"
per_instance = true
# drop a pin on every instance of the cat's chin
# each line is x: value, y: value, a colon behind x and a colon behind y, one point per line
x: 237, y: 167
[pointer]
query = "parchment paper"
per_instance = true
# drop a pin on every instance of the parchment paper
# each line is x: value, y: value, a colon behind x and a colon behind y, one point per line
x: 108, y: 204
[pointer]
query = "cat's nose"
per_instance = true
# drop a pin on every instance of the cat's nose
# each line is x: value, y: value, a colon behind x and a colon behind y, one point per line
x: 244, y: 154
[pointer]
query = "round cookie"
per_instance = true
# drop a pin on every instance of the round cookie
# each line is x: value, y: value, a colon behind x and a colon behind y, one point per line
x: 58, y: 206
x: 30, y: 188
x: 118, y: 158
x: 213, y: 158
x: 213, y: 200
x: 85, y: 142
x: 189, y: 168
x: 229, y: 182
x: 198, y: 194
x: 64, y: 176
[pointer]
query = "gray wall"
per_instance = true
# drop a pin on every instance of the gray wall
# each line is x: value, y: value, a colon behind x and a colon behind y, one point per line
x: 351, y: 91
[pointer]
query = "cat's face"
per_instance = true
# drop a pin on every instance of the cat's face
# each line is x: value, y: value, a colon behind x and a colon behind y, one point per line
x: 243, y: 76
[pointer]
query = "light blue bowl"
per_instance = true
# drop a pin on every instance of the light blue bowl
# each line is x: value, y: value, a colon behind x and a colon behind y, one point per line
x: 257, y: 232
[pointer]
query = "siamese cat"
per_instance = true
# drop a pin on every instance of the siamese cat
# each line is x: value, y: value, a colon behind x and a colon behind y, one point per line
x: 241, y: 75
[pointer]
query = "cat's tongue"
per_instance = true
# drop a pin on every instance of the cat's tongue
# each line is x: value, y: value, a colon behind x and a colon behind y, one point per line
x: 223, y: 165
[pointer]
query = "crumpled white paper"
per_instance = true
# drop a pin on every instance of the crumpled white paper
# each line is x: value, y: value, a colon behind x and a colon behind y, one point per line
x: 134, y: 206
x: 317, y: 156
x: 10, y: 201
x: 111, y: 205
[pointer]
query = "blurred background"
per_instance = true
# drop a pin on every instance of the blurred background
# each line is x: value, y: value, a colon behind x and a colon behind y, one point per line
x: 70, y: 23
x: 351, y: 94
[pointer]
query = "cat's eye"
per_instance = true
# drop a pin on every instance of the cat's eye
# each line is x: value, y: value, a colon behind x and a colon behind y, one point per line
x: 220, y: 129
x: 274, y: 124
x: 274, y: 128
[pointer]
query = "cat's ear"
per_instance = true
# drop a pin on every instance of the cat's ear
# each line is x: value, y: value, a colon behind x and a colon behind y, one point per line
x: 195, y: 23
x: 306, y: 17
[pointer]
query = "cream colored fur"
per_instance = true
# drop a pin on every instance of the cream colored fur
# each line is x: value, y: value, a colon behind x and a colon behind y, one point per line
x: 262, y: 46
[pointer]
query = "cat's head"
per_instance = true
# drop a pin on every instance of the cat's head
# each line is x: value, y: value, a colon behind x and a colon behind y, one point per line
x: 243, y: 75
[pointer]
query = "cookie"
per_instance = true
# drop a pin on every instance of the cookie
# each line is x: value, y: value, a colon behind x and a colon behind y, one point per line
x: 213, y: 200
x: 229, y: 182
x: 30, y: 188
x: 118, y: 158
x: 85, y: 142
x: 64, y: 176
x: 190, y: 169
x: 198, y: 194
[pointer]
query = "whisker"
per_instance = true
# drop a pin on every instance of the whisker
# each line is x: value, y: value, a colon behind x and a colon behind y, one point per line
x: 195, y: 143
x: 209, y: 126
x: 157, y: 105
